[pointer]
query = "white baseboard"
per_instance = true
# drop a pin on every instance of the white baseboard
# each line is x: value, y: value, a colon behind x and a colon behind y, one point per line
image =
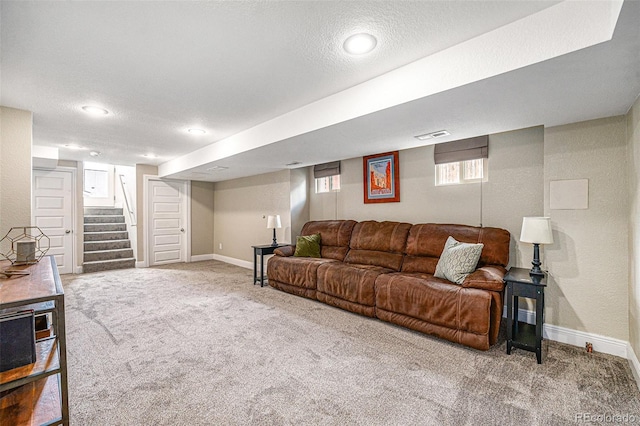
x: 234, y: 261
x: 633, y: 363
x: 140, y: 264
x: 201, y: 257
x: 78, y: 270
x: 603, y: 344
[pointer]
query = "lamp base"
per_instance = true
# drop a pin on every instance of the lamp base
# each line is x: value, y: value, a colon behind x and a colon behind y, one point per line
x: 536, y: 271
x: 274, y: 243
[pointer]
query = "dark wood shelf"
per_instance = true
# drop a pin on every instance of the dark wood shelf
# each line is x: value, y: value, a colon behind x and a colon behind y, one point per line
x: 34, y: 404
x: 37, y: 394
x: 47, y: 362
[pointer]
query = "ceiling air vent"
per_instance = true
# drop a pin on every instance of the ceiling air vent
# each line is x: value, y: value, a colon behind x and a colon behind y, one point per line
x: 216, y: 168
x: 433, y: 135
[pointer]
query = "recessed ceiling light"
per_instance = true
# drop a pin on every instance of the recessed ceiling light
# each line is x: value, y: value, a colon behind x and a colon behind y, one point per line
x: 196, y: 131
x: 432, y: 135
x: 359, y: 44
x: 94, y: 153
x: 94, y: 110
x: 150, y: 155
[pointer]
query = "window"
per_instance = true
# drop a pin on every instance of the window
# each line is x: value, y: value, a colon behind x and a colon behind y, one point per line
x: 328, y: 184
x: 96, y: 183
x: 327, y: 177
x: 458, y: 172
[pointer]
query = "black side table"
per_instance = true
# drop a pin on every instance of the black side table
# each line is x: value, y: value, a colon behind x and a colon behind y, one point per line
x: 262, y: 250
x: 519, y: 334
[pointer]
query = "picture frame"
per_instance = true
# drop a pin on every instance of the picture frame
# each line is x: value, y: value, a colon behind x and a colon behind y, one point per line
x: 381, y: 178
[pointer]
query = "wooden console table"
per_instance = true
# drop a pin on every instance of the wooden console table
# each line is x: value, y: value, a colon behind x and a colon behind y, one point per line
x: 36, y: 394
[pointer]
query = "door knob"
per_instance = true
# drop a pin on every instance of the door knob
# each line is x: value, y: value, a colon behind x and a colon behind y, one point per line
x: 67, y: 231
x: 181, y: 229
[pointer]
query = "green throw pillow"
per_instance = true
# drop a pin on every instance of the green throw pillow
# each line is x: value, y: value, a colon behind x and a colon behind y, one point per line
x: 308, y: 246
x: 458, y: 260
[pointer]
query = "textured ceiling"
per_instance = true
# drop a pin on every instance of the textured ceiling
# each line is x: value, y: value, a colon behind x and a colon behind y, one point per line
x: 162, y: 67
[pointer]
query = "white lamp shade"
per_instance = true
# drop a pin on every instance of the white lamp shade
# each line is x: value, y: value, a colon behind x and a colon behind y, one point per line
x: 273, y: 221
x: 536, y: 230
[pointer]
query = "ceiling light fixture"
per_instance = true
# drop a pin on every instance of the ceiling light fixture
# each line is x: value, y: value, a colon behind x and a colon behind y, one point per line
x: 359, y: 44
x: 196, y: 131
x: 150, y: 155
x: 94, y: 110
x: 293, y: 163
x: 432, y: 135
x: 94, y: 153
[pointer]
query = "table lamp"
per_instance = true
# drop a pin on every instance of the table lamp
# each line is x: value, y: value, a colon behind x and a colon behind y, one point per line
x: 273, y: 221
x: 536, y: 230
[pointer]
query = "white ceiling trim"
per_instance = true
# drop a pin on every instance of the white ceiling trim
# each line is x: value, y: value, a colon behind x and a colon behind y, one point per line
x: 563, y: 28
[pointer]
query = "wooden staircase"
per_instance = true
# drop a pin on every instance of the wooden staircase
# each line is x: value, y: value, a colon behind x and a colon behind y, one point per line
x: 106, y: 240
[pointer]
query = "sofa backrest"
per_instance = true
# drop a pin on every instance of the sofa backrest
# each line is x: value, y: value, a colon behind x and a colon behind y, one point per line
x: 426, y: 241
x: 378, y: 243
x: 334, y: 236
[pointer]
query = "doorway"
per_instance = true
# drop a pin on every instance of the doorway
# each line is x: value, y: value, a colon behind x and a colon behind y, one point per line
x: 53, y: 206
x: 167, y: 237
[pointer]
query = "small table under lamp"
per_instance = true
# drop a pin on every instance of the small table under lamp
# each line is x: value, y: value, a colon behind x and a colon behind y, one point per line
x: 273, y: 221
x: 536, y: 230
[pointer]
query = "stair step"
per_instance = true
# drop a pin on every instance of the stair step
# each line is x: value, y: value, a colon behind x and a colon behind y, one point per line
x: 106, y: 245
x: 88, y: 211
x: 108, y: 265
x: 102, y: 227
x: 97, y: 255
x: 103, y: 219
x: 106, y: 236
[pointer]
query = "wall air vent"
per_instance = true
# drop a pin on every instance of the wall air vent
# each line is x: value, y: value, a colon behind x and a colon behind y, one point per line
x: 216, y: 168
x: 432, y: 135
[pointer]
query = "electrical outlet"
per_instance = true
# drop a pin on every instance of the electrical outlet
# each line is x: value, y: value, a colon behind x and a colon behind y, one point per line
x: 220, y: 246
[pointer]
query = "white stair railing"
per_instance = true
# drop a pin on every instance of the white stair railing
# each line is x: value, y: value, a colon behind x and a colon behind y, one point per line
x: 127, y: 200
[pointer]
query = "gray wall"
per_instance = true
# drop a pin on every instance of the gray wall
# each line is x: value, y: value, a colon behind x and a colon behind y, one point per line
x: 242, y: 207
x: 15, y: 169
x: 514, y: 190
x: 202, y: 218
x: 588, y: 262
x: 633, y: 141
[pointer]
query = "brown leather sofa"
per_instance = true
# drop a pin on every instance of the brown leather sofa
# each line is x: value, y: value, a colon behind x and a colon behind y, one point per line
x: 386, y: 270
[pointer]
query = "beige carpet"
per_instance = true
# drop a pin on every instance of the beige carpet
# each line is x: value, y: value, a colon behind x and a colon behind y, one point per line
x: 197, y: 344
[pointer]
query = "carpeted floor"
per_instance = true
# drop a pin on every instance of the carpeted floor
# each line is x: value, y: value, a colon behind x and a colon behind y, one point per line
x: 197, y: 344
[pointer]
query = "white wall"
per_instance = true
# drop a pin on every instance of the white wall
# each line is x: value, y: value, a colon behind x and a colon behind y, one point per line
x: 128, y: 174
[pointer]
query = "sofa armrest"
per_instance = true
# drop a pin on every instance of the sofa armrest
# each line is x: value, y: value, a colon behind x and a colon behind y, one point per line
x: 285, y: 251
x: 486, y: 278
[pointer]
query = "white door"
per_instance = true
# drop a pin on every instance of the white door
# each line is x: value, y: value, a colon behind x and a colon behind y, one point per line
x: 167, y: 221
x: 52, y: 212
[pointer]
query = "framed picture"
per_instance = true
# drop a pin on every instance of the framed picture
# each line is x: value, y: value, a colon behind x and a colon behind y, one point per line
x: 381, y: 178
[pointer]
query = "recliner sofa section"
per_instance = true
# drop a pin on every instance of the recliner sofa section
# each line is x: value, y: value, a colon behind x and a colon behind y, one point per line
x: 386, y: 270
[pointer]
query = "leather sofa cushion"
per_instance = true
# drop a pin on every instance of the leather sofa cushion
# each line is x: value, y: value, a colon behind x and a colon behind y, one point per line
x: 354, y: 283
x: 428, y: 239
x: 435, y: 300
x: 334, y: 235
x: 295, y: 271
x: 378, y: 244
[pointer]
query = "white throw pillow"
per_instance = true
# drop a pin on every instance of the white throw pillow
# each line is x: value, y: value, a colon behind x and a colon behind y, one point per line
x: 458, y: 260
